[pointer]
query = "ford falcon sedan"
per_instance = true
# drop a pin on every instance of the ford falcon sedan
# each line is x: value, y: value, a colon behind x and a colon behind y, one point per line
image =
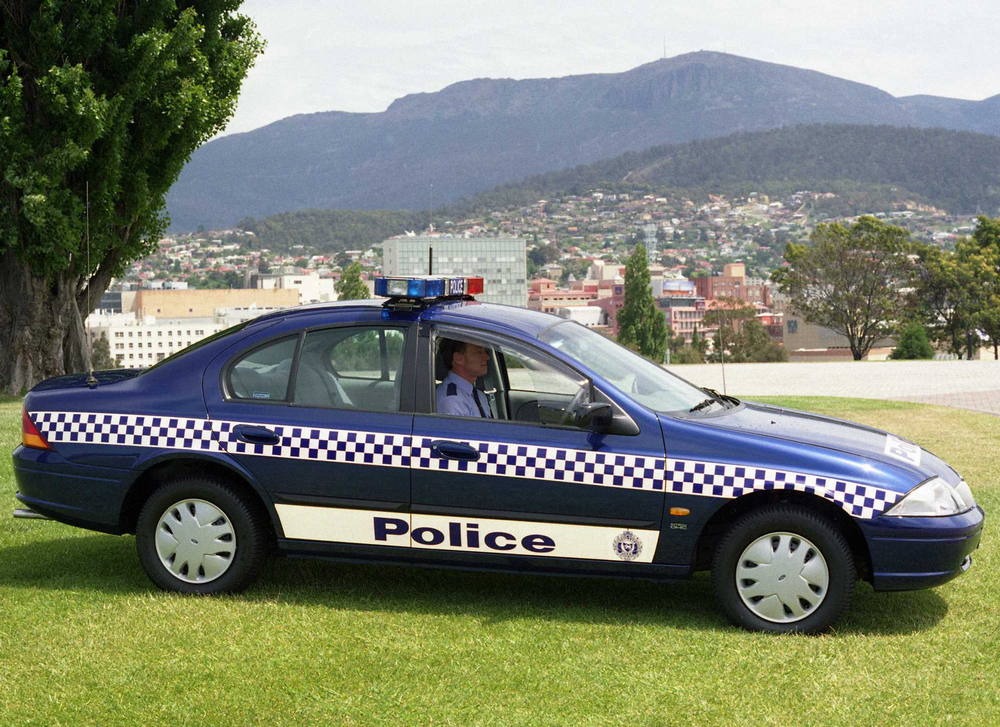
x: 428, y: 428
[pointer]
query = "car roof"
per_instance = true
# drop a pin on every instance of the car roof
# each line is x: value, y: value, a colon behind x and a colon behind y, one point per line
x: 525, y: 321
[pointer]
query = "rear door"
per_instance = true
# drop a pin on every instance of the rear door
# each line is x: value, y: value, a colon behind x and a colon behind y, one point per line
x: 527, y: 483
x: 322, y: 418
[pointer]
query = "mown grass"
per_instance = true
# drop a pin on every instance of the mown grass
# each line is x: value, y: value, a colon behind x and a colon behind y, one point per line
x: 86, y: 639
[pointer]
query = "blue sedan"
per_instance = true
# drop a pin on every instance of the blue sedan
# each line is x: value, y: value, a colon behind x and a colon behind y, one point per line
x: 428, y: 428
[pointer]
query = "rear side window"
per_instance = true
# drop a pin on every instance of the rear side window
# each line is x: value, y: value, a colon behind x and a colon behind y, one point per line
x: 263, y: 374
x: 351, y: 368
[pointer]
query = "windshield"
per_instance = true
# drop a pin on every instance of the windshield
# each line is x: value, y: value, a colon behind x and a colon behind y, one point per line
x: 639, y: 378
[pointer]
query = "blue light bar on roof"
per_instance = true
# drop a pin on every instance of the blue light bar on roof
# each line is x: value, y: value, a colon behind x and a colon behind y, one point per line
x: 426, y: 286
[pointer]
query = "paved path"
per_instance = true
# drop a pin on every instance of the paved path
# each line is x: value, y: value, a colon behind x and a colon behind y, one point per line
x: 962, y: 384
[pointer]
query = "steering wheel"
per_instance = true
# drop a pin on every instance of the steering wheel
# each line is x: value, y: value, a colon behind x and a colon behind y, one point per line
x: 569, y: 413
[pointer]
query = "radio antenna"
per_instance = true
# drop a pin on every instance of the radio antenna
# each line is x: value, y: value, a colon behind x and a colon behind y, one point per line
x: 430, y: 259
x: 91, y: 380
x: 722, y: 350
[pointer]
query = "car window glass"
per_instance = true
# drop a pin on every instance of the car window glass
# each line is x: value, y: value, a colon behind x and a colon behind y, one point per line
x: 533, y: 375
x: 639, y: 378
x: 535, y: 388
x: 351, y: 368
x: 263, y: 373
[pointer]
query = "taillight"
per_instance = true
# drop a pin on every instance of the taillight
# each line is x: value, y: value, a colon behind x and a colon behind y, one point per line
x: 30, y: 436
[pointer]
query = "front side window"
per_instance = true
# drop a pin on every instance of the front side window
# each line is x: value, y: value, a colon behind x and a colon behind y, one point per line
x: 351, y: 368
x: 482, y: 379
x: 263, y: 374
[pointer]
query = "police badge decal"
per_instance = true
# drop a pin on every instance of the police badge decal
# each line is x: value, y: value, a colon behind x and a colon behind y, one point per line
x: 627, y: 546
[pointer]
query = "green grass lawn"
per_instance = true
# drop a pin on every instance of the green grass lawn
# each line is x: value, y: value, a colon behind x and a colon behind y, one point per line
x: 86, y: 638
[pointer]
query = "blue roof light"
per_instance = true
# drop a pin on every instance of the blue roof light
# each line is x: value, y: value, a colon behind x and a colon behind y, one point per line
x: 418, y: 287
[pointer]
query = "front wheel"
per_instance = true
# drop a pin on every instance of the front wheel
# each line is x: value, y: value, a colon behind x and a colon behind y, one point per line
x: 783, y: 568
x: 201, y: 536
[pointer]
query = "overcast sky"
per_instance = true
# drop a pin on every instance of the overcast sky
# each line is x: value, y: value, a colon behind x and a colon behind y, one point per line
x: 363, y: 54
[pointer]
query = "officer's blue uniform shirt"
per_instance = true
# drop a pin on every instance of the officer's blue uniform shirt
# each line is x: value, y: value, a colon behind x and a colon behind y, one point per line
x: 455, y: 398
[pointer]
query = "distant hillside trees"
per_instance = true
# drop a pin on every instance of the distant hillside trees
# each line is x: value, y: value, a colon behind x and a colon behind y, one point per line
x: 850, y: 279
x: 869, y: 168
x: 332, y: 231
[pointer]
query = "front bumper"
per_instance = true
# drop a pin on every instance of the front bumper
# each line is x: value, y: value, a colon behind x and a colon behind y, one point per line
x: 912, y: 553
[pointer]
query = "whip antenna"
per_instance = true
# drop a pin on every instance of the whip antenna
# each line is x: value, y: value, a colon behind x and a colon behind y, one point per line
x: 91, y: 381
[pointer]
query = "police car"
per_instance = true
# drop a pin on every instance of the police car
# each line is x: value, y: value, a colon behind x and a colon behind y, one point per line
x: 428, y: 428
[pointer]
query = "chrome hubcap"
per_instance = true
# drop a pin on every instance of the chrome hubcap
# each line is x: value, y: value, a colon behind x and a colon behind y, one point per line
x: 195, y: 541
x: 782, y: 577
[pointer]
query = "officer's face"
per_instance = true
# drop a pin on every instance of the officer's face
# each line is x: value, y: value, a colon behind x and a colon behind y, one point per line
x: 474, y: 359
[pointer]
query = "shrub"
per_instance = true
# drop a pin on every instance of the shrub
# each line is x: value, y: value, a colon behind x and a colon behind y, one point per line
x: 913, y: 344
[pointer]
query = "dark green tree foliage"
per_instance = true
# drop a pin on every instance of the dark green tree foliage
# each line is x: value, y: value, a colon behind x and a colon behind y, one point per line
x: 332, y: 231
x: 869, y: 167
x: 351, y: 286
x: 987, y: 238
x: 849, y: 279
x: 641, y: 325
x: 101, y: 358
x: 958, y: 293
x: 913, y: 344
x: 117, y: 94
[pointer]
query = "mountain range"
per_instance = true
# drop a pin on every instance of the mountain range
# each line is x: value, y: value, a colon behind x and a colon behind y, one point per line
x: 432, y: 148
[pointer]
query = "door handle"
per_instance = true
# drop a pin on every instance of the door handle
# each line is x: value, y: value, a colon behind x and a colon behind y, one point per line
x: 256, y: 435
x: 454, y: 450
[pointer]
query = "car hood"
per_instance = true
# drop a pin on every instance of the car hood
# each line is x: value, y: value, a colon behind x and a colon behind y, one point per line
x: 833, y: 434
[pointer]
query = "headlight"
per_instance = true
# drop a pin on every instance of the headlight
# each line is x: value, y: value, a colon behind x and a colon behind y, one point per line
x: 934, y: 498
x: 965, y: 493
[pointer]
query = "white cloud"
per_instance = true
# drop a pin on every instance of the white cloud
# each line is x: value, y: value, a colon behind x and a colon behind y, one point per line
x: 360, y: 56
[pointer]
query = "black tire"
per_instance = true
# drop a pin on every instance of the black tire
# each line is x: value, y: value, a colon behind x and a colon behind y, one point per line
x: 250, y: 536
x: 798, y: 521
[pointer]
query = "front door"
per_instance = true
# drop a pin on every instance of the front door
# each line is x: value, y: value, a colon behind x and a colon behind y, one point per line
x: 521, y: 479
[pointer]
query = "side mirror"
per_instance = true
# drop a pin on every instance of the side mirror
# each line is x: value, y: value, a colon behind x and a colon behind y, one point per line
x: 596, y: 415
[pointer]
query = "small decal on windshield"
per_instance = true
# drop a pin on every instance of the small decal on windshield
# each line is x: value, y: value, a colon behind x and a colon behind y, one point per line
x: 895, y: 447
x: 261, y: 395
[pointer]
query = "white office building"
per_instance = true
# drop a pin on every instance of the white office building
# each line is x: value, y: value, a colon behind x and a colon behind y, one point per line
x: 500, y: 261
x: 312, y: 288
x: 137, y: 342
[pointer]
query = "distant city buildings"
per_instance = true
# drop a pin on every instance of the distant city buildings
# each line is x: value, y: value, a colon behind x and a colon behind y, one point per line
x: 311, y: 287
x: 734, y: 283
x: 144, y: 327
x: 500, y: 261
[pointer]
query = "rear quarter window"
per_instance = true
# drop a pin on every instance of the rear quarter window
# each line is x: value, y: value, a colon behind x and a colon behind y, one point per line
x: 263, y: 373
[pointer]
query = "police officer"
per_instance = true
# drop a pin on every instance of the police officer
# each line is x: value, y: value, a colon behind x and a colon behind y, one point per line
x: 457, y: 395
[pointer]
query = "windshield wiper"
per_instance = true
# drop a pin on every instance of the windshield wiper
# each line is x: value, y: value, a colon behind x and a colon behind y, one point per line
x: 721, y: 397
x: 703, y: 405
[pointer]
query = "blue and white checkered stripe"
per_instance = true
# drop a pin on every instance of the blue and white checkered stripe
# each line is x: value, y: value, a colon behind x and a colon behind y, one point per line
x: 553, y: 464
x: 711, y: 479
x: 127, y: 429
x: 323, y: 445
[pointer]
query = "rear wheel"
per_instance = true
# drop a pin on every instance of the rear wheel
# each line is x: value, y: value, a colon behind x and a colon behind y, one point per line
x: 201, y: 536
x: 783, y: 568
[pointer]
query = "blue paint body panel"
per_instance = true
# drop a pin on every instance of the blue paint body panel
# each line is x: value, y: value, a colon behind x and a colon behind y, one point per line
x: 703, y: 463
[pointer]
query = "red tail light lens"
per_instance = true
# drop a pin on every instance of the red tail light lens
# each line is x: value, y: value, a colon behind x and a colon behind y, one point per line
x: 30, y: 436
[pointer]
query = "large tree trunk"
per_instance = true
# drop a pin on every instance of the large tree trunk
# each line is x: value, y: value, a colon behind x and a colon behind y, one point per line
x: 41, y: 328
